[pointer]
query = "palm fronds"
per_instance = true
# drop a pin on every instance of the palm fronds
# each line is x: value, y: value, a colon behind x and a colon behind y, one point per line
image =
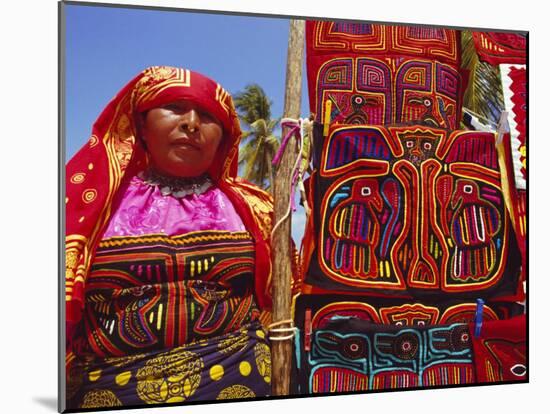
x: 483, y: 95
x: 259, y: 144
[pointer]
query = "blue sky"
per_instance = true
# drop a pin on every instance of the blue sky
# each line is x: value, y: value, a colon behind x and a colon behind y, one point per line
x: 106, y: 47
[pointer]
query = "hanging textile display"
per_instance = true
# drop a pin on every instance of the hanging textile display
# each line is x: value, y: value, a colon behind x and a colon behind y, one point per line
x: 414, y: 232
x: 379, y: 75
x: 509, y: 52
x: 411, y: 211
x: 348, y: 354
x: 345, y: 348
x: 316, y: 310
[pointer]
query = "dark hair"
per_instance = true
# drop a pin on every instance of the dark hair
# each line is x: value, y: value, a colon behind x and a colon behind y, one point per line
x: 139, y: 122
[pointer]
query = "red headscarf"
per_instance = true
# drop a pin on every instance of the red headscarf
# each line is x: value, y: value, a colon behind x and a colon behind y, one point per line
x: 113, y: 153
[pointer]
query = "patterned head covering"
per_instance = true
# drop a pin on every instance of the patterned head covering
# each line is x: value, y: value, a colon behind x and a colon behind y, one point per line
x: 113, y: 155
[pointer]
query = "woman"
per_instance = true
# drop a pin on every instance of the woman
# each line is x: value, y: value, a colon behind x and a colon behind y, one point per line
x: 167, y: 254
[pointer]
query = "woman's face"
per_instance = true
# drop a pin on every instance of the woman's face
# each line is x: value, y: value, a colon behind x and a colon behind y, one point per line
x: 181, y: 138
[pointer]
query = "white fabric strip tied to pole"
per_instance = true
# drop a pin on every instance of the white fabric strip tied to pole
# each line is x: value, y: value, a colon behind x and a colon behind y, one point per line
x: 297, y: 127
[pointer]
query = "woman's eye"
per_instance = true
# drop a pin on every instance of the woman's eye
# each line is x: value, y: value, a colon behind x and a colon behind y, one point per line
x: 208, y: 118
x: 205, y: 116
x: 173, y: 107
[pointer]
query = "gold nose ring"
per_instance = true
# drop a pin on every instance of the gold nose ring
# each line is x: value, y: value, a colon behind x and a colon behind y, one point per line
x: 191, y: 129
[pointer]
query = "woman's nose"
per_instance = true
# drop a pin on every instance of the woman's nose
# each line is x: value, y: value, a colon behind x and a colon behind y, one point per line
x: 190, y: 120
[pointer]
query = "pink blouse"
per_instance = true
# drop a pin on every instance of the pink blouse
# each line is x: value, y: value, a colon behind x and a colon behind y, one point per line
x: 144, y: 210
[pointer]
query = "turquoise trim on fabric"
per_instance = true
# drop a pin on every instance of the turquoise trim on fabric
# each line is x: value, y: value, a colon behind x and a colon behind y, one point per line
x: 297, y: 348
x: 298, y: 354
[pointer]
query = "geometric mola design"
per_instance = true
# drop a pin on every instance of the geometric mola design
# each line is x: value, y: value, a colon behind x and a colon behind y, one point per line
x: 411, y: 208
x: 365, y: 360
x: 328, y: 38
x: 372, y: 91
x: 362, y: 73
x: 394, y: 312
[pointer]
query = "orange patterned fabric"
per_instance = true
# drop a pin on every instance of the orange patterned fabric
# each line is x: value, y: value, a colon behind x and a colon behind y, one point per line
x: 113, y: 154
x: 363, y: 73
x: 326, y: 37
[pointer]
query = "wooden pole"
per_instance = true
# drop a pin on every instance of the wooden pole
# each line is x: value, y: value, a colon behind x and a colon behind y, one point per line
x: 281, y: 351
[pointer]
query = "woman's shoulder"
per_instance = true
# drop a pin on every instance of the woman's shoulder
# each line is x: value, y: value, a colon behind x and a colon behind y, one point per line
x: 259, y: 202
x: 260, y: 199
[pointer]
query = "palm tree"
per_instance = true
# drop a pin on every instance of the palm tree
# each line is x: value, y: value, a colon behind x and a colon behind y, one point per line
x: 483, y: 95
x: 259, y: 144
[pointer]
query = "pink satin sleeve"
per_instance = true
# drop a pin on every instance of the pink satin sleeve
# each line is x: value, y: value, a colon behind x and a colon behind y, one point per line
x: 142, y: 209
